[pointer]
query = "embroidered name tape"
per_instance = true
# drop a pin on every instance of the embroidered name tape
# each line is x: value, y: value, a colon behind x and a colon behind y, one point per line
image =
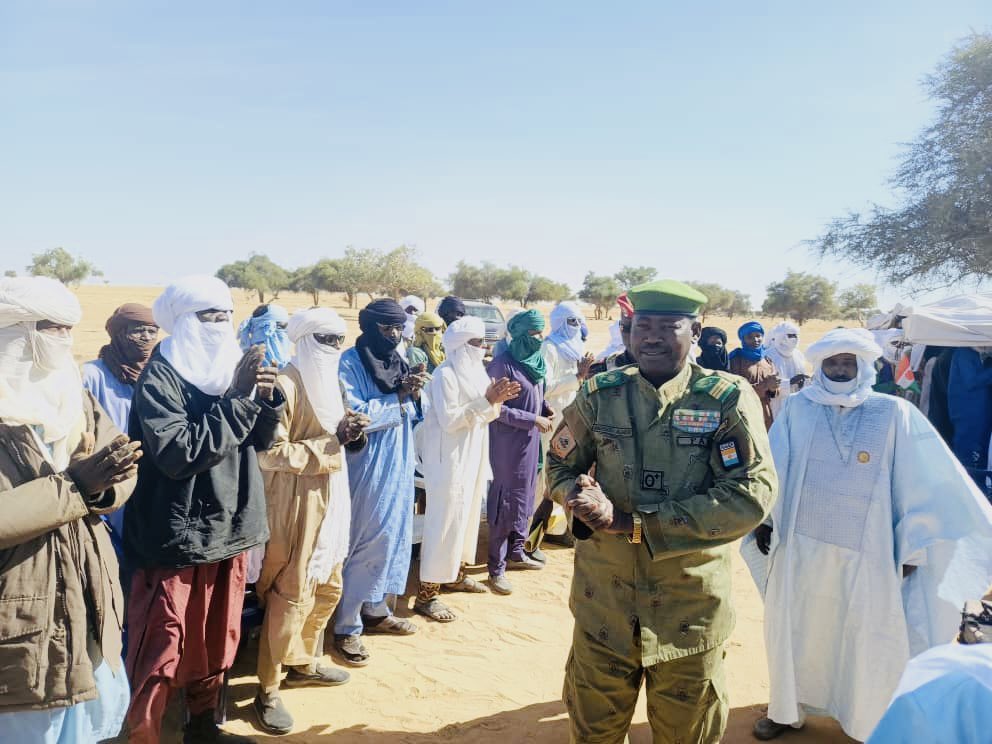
x: 695, y: 421
x: 728, y: 453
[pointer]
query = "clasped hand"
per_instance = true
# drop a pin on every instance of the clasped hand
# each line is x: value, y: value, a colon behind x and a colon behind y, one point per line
x: 587, y: 501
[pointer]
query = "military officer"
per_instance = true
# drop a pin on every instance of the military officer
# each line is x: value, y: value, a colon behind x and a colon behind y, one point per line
x: 680, y: 467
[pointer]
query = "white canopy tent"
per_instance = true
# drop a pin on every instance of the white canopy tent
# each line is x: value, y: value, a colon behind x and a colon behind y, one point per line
x: 964, y: 320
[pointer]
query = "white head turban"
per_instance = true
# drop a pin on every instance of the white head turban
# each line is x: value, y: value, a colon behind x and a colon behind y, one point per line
x: 889, y: 340
x: 616, y: 343
x: 39, y: 382
x: 855, y: 341
x: 465, y: 359
x: 318, y: 366
x: 567, y: 338
x: 783, y: 352
x: 204, y: 354
x: 418, y: 305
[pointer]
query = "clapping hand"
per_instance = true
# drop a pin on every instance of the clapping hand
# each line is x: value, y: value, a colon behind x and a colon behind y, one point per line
x: 352, y: 426
x: 502, y: 390
x: 95, y: 473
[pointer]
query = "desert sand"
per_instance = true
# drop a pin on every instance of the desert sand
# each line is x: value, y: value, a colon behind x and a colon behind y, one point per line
x: 493, y: 675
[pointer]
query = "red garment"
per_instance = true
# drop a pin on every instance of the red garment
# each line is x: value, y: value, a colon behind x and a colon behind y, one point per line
x: 184, y: 625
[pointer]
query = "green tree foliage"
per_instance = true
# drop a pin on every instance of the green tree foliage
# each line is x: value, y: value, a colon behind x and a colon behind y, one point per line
x: 801, y: 297
x: 858, y: 302
x: 512, y: 284
x: 59, y: 264
x: 322, y: 276
x: 473, y: 282
x: 400, y: 274
x: 631, y: 276
x: 360, y: 270
x: 543, y: 289
x: 943, y: 229
x: 600, y: 291
x: 10, y: 273
x: 723, y: 301
x: 258, y: 274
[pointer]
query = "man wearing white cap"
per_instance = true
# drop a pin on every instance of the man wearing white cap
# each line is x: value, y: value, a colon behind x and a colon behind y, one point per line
x: 461, y: 400
x: 63, y: 464
x: 201, y: 410
x: 874, y: 515
x: 412, y: 306
x: 309, y: 511
x: 790, y: 363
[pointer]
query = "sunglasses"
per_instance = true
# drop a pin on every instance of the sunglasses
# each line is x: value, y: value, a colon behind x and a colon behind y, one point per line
x: 390, y: 328
x: 329, y: 339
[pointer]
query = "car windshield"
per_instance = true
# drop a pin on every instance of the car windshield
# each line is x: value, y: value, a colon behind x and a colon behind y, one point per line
x: 486, y: 312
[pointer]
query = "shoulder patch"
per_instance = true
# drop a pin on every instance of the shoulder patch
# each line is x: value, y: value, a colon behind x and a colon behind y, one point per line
x: 610, y: 379
x: 715, y: 386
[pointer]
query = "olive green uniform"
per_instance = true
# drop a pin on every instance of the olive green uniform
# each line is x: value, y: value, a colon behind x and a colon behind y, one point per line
x: 691, y: 458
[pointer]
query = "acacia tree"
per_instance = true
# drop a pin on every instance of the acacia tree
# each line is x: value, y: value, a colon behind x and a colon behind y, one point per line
x: 723, y: 301
x: 601, y: 292
x: 801, y: 296
x: 943, y: 229
x: 258, y: 274
x: 857, y: 302
x: 631, y: 276
x: 543, y: 289
x: 360, y: 270
x: 322, y: 276
x: 59, y: 264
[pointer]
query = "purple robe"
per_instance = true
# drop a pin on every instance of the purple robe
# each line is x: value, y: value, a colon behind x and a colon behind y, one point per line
x: 514, y: 449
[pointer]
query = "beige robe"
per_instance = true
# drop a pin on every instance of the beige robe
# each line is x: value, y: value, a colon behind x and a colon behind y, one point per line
x: 297, y: 492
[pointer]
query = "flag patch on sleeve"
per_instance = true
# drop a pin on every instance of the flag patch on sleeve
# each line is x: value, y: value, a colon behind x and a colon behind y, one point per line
x: 563, y: 442
x: 728, y: 454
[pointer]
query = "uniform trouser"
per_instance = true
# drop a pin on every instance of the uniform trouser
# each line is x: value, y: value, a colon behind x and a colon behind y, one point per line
x: 686, y: 697
x: 291, y: 632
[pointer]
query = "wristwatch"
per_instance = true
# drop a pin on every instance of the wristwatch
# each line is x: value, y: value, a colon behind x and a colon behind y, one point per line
x: 635, y: 533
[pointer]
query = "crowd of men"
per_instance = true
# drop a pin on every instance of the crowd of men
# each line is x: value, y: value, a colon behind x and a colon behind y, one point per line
x: 273, y: 456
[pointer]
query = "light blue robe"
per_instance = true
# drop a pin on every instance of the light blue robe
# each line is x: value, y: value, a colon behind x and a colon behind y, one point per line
x: 382, y: 494
x: 944, y: 697
x: 82, y: 723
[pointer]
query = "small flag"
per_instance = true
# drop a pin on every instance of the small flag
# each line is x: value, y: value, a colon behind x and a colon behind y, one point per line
x: 904, y: 375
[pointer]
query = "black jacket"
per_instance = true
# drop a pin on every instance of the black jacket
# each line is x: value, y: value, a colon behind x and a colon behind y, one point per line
x: 199, y: 496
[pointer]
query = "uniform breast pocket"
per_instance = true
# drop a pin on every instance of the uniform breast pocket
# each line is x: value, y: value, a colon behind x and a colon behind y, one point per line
x: 614, y: 446
x: 22, y: 621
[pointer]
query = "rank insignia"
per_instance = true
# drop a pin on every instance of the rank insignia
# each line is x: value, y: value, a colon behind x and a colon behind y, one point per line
x: 695, y: 421
x: 728, y: 454
x: 563, y: 442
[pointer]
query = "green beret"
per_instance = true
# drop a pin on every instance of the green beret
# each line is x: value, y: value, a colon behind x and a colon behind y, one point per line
x: 667, y: 296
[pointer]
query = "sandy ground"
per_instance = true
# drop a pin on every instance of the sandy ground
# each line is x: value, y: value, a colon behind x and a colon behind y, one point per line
x: 495, y: 674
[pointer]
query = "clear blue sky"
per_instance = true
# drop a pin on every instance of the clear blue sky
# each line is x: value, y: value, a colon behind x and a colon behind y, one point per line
x: 708, y: 139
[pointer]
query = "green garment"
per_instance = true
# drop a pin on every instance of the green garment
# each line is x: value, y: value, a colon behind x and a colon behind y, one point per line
x: 692, y: 458
x: 526, y: 349
x: 686, y: 698
x: 416, y: 356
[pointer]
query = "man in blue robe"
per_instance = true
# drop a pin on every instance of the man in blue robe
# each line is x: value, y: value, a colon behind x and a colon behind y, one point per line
x: 378, y: 382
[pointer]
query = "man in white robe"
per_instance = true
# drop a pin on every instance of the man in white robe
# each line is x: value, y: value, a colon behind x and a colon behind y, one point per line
x: 460, y: 402
x: 790, y: 363
x: 568, y: 365
x: 876, y: 540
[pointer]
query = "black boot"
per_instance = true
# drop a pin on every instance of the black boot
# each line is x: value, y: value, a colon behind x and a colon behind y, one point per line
x: 202, y: 729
